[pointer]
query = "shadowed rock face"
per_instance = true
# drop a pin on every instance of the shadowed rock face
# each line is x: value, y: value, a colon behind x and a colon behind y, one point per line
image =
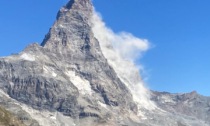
x: 68, y: 72
x: 66, y: 81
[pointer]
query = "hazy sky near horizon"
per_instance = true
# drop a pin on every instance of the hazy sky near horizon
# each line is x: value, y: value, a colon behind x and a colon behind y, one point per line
x: 179, y: 32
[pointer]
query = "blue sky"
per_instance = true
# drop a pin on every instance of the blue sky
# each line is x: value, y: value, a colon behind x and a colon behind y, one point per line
x: 179, y: 31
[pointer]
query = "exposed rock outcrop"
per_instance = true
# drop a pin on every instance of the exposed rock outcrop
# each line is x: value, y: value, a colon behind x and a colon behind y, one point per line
x: 67, y: 81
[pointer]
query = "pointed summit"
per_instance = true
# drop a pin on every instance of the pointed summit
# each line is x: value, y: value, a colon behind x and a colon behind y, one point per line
x: 81, y: 4
x: 69, y: 82
x: 72, y: 29
x: 81, y: 7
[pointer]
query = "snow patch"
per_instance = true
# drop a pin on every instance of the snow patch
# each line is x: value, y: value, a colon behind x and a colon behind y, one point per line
x: 49, y: 71
x: 61, y: 26
x: 167, y: 99
x: 27, y: 57
x: 102, y: 104
x: 82, y: 85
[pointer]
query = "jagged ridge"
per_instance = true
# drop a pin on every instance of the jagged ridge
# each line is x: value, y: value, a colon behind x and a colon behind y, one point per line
x: 68, y: 81
x: 70, y: 61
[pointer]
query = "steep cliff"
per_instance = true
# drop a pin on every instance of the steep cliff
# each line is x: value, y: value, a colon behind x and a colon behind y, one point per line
x: 70, y: 80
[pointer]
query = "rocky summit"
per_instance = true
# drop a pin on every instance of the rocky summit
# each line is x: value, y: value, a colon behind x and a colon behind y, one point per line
x: 68, y: 81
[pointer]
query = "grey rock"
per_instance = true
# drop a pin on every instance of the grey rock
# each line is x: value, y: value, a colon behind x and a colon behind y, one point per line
x: 67, y: 81
x: 43, y: 76
x: 191, y: 105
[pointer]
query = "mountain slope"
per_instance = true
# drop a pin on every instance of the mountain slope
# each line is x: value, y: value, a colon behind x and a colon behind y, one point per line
x: 190, y: 105
x: 68, y: 73
x: 7, y: 119
x: 71, y: 79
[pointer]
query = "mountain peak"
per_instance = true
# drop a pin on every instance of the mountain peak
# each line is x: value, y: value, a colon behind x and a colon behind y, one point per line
x: 85, y: 4
x: 72, y: 25
x: 72, y: 81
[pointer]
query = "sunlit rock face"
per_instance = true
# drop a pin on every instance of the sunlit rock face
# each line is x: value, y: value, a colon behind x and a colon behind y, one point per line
x: 68, y: 73
x: 71, y: 80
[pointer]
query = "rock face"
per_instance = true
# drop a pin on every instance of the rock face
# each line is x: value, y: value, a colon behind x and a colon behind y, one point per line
x: 192, y: 106
x: 67, y: 81
x: 68, y: 72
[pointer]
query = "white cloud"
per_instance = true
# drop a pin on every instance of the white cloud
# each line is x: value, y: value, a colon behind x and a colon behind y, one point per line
x: 129, y: 46
x: 121, y: 50
x: 125, y: 44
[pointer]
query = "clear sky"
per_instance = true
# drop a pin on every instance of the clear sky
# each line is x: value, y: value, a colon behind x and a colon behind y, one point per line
x: 179, y: 31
